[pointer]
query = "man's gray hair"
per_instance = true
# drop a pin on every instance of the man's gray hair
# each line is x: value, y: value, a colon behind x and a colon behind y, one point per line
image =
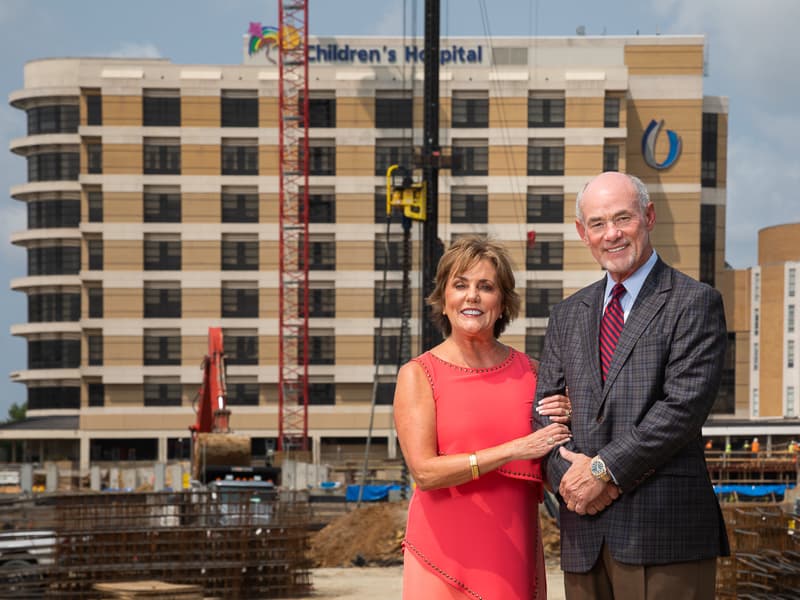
x: 638, y: 184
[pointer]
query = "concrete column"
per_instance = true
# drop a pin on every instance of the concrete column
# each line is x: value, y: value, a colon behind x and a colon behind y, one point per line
x: 159, y: 476
x: 316, y: 448
x: 162, y: 449
x: 51, y: 473
x: 94, y: 479
x: 26, y: 477
x: 84, y: 453
x: 391, y: 443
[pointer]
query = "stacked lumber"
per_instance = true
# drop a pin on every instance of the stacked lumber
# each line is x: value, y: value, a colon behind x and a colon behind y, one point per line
x: 152, y: 590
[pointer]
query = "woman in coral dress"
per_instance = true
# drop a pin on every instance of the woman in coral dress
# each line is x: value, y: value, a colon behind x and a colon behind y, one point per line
x: 463, y: 417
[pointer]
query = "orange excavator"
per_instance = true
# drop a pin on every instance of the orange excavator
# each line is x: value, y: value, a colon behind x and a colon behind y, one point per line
x: 218, y: 453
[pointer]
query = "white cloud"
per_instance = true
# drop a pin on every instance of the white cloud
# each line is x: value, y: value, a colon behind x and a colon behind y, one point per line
x: 135, y: 50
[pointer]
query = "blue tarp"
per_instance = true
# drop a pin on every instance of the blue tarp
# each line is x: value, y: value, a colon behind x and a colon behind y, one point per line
x: 372, y: 493
x: 753, y: 490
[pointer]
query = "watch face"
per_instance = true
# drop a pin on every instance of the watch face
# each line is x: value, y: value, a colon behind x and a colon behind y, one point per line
x: 598, y: 468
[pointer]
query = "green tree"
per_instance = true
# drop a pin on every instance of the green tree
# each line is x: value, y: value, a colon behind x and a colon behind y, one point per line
x: 16, y: 412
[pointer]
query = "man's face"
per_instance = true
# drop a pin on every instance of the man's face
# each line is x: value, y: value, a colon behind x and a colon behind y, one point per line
x: 613, y: 226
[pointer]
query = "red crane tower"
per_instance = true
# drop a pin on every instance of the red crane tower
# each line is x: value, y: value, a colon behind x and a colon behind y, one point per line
x: 293, y: 301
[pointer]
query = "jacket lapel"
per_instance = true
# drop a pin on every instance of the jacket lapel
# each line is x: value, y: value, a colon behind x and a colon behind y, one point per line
x: 589, y: 326
x: 648, y: 303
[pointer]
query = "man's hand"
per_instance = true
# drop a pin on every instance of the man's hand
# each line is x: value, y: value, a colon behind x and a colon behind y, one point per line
x: 582, y: 491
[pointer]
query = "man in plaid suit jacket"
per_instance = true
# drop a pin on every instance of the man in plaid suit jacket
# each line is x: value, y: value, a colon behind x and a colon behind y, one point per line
x: 639, y: 517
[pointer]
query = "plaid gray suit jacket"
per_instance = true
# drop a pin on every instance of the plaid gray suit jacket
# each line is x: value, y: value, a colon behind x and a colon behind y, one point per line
x: 645, y: 422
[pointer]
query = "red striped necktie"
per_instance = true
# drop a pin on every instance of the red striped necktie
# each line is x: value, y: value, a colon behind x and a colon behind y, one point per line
x: 611, y: 328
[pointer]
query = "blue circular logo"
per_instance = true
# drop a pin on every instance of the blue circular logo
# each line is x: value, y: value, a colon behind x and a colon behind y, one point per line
x: 649, y: 145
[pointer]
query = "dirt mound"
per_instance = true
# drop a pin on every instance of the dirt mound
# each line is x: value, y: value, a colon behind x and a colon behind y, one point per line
x: 371, y: 535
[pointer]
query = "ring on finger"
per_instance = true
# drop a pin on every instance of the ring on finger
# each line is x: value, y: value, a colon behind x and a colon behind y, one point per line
x: 550, y: 441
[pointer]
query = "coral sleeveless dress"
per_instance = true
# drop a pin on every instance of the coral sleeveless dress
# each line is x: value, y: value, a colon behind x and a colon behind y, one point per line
x: 480, y: 538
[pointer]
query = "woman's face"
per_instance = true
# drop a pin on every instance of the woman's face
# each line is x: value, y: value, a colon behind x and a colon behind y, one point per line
x: 473, y: 300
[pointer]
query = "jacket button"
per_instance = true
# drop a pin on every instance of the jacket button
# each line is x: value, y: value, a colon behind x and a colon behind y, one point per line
x: 600, y: 419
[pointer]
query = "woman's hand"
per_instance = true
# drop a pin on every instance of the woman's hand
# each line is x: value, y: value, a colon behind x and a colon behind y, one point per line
x: 557, y: 407
x: 539, y: 443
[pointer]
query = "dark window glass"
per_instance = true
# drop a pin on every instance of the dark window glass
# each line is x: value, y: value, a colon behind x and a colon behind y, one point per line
x: 54, y: 166
x: 94, y: 157
x: 393, y: 113
x: 161, y: 111
x: 546, y: 254
x: 54, y: 398
x: 162, y: 303
x: 380, y: 208
x: 545, y: 112
x: 394, y: 260
x: 321, y: 255
x: 240, y: 207
x: 708, y: 165
x: 43, y: 308
x: 58, y: 118
x: 384, y: 394
x: 241, y: 349
x: 388, y: 304
x: 243, y: 394
x: 95, y: 343
x: 162, y: 159
x: 162, y: 394
x: 162, y: 349
x: 239, y: 255
x: 322, y: 112
x: 534, y: 342
x: 321, y: 349
x: 726, y: 397
x: 545, y: 160
x: 469, y: 207
x: 470, y: 158
x: 610, y: 157
x: 54, y: 260
x: 95, y: 302
x: 321, y: 393
x: 240, y: 302
x: 541, y: 296
x: 97, y: 394
x: 545, y: 207
x: 162, y: 207
x: 392, y: 153
x: 708, y: 243
x: 95, y: 250
x: 322, y: 160
x: 322, y: 302
x: 239, y: 112
x: 45, y: 214
x: 611, y: 110
x: 162, y: 255
x: 95, y: 200
x: 386, y: 348
x: 54, y: 354
x: 470, y: 112
x: 239, y: 160
x: 321, y: 208
x: 94, y: 109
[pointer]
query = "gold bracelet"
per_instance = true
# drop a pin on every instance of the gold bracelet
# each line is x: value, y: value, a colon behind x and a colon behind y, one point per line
x: 473, y: 465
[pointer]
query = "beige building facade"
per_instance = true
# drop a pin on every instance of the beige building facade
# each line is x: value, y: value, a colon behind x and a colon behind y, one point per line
x: 153, y: 214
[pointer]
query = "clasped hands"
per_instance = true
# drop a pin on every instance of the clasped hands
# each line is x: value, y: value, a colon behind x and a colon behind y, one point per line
x: 582, y: 491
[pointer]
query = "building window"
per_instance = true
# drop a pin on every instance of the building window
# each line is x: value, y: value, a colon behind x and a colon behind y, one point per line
x: 321, y: 347
x: 756, y: 321
x: 95, y: 295
x: 54, y: 260
x: 755, y: 356
x: 240, y: 299
x: 94, y: 158
x: 790, y: 318
x: 321, y: 393
x: 54, y: 353
x: 95, y: 343
x: 394, y: 259
x: 54, y: 307
x: 611, y: 111
x: 54, y: 398
x: 792, y: 283
x: 239, y: 205
x: 162, y: 391
x: 534, y: 341
x: 162, y: 347
x: 708, y: 153
x: 162, y: 156
x: 392, y: 152
x: 470, y: 109
x: 757, y: 286
x: 97, y: 394
x: 545, y: 157
x: 239, y: 108
x: 242, y: 391
x: 94, y: 247
x: 469, y: 205
x: 162, y: 300
x: 610, y: 157
x: 384, y: 393
x: 790, y: 354
x: 54, y: 166
x: 545, y: 205
x: 790, y: 408
x: 321, y: 157
x: 321, y: 299
x: 240, y: 157
x: 162, y: 252
x: 546, y: 254
x: 393, y: 110
x: 708, y: 243
x: 94, y: 199
x: 321, y: 109
x: 386, y: 347
x: 47, y: 214
x: 755, y: 407
x: 725, y: 404
x: 57, y: 118
x: 546, y: 109
x: 241, y: 347
x: 321, y: 252
x: 541, y: 296
x: 94, y: 108
x: 470, y: 157
x: 239, y: 252
x: 162, y: 204
x: 388, y: 302
x: 161, y: 108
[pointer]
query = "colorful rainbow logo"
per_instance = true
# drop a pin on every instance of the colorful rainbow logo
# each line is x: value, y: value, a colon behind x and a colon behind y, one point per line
x: 265, y: 38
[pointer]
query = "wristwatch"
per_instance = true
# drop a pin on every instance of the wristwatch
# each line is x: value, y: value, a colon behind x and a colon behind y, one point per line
x: 599, y: 469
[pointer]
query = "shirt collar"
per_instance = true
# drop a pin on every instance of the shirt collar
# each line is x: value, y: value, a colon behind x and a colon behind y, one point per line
x: 634, y: 283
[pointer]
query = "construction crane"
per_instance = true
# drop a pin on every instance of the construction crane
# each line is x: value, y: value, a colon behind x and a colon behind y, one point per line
x: 293, y: 226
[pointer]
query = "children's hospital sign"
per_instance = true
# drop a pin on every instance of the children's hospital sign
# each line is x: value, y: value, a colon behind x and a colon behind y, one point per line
x: 261, y: 47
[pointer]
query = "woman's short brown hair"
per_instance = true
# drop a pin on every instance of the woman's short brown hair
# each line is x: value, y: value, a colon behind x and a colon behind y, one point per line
x: 462, y: 255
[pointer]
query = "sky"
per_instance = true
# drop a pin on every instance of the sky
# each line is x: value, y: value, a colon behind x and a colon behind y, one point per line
x: 753, y: 54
